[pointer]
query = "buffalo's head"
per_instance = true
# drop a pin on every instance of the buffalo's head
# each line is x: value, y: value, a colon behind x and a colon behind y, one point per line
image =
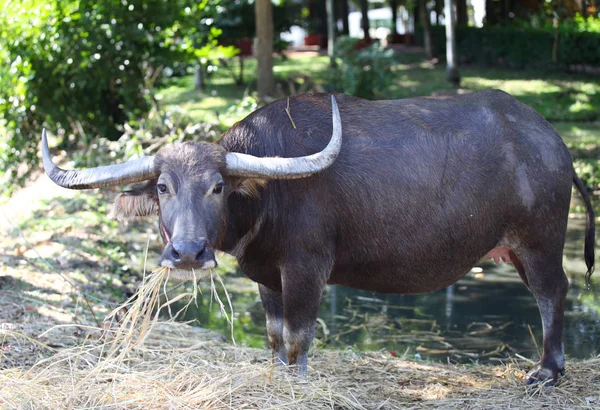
x: 187, y: 186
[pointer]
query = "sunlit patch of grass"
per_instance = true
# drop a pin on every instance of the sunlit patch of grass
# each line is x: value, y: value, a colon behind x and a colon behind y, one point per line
x: 557, y: 96
x: 579, y: 106
x: 220, y: 93
x: 408, y: 83
x: 514, y: 87
x: 316, y: 67
x: 584, y: 133
x: 555, y: 99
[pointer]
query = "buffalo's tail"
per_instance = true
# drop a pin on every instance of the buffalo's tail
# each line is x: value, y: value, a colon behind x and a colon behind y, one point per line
x: 590, y: 229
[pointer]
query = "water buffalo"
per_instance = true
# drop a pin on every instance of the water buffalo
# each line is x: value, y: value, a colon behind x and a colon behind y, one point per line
x: 415, y: 193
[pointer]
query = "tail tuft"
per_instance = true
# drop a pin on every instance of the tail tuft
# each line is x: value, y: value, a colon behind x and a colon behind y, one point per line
x: 590, y: 230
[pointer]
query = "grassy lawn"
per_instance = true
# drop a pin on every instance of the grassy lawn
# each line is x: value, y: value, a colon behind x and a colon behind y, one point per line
x: 557, y: 96
x: 579, y: 134
x: 222, y: 100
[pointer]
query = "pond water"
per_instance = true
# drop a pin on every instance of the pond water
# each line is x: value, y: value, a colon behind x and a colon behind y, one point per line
x: 486, y: 316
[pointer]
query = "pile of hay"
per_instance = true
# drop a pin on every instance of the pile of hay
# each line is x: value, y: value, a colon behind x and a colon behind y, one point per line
x: 136, y: 361
x: 178, y: 368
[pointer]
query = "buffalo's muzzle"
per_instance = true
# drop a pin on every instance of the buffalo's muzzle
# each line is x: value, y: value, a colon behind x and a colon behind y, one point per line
x: 188, y: 255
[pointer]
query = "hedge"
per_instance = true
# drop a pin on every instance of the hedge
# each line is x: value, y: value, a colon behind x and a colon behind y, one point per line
x: 518, y: 47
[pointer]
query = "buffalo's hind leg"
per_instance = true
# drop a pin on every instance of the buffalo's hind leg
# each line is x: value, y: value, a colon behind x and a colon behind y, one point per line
x: 548, y: 283
x: 273, y: 304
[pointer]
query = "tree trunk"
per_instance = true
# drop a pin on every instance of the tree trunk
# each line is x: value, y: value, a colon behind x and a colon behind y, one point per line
x: 505, y: 11
x: 240, y: 78
x: 322, y: 18
x: 330, y: 31
x: 394, y: 7
x: 461, y: 13
x: 489, y: 13
x: 555, y: 44
x: 416, y: 13
x: 452, y: 74
x: 264, y: 47
x: 439, y: 5
x: 345, y: 23
x: 492, y: 13
x: 198, y: 77
x: 425, y: 20
x: 364, y: 9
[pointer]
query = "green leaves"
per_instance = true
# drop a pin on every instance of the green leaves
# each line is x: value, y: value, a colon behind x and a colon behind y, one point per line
x: 84, y: 68
x: 362, y: 70
x: 523, y: 47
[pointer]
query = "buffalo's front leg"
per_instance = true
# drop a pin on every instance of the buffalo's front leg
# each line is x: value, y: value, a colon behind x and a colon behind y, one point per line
x: 273, y: 303
x: 302, y: 290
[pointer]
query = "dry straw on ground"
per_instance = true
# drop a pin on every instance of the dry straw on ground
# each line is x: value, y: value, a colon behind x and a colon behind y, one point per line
x: 137, y: 361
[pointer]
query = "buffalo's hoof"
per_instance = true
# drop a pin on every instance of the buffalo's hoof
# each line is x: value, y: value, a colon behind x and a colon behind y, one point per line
x: 543, y: 375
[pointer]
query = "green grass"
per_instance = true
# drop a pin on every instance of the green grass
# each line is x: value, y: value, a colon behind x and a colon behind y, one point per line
x: 208, y: 105
x: 579, y: 134
x: 222, y: 99
x: 557, y: 96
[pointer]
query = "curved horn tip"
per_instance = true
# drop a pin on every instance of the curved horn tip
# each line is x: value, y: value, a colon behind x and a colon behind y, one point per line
x: 46, y: 158
x: 337, y: 122
x: 334, y: 105
x: 44, y: 139
x: 244, y: 165
x: 134, y: 170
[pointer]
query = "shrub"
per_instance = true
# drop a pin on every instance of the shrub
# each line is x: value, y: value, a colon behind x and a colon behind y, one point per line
x: 148, y: 136
x: 521, y: 47
x: 362, y: 70
x: 85, y: 68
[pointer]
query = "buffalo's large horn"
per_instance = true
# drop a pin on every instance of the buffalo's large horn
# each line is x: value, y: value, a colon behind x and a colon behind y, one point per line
x: 135, y: 170
x: 243, y: 165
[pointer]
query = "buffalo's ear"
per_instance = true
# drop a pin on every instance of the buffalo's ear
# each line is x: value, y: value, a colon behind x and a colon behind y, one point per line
x: 138, y: 202
x: 249, y: 186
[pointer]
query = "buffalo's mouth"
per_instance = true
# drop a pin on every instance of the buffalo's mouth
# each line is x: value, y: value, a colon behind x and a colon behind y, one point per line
x: 188, y: 260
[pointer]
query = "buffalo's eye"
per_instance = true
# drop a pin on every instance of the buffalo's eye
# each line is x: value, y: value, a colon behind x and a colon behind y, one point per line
x: 218, y: 188
x: 161, y: 188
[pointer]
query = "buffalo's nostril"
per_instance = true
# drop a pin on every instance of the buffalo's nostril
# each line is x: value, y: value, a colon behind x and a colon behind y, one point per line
x: 175, y: 256
x: 188, y: 253
x: 200, y: 252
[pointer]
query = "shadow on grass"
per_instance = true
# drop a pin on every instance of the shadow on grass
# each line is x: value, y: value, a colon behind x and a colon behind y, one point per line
x: 10, y: 284
x: 220, y: 93
x: 77, y: 238
x: 557, y: 96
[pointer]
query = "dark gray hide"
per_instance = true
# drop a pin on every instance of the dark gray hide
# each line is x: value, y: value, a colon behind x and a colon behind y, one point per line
x: 421, y: 191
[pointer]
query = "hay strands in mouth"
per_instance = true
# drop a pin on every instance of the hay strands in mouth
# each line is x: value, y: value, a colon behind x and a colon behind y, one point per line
x: 221, y: 306
x: 143, y: 309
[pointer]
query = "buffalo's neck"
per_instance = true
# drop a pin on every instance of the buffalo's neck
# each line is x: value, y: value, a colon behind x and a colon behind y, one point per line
x: 251, y: 239
x: 245, y: 214
x: 244, y: 220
